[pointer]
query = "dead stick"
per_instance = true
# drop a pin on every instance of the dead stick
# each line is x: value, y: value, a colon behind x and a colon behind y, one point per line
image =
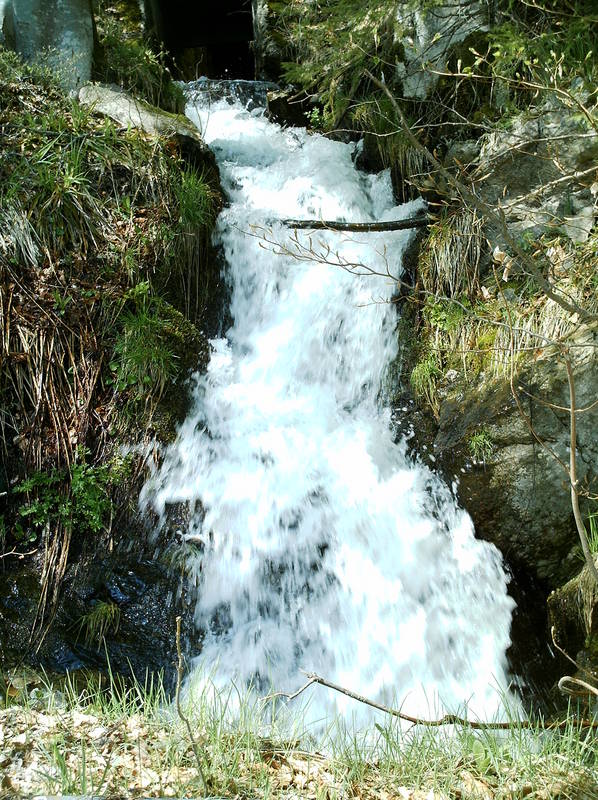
x: 448, y: 719
x: 179, y: 678
x: 356, y: 227
x: 579, y: 523
x: 567, y: 685
x: 286, y: 694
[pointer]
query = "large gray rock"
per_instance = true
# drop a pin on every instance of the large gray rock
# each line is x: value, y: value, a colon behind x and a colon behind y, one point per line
x: 429, y: 36
x: 2, y: 7
x: 129, y: 112
x: 540, y: 169
x: 58, y: 33
x: 519, y: 498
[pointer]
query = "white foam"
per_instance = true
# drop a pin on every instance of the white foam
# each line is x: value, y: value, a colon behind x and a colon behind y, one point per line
x: 325, y: 547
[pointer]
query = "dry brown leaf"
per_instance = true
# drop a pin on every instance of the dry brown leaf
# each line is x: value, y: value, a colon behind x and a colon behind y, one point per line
x: 473, y: 788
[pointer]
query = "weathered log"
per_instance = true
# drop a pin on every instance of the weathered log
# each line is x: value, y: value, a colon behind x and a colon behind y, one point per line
x: 356, y: 227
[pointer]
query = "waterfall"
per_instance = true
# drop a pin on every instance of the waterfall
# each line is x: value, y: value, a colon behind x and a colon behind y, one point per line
x: 319, y: 543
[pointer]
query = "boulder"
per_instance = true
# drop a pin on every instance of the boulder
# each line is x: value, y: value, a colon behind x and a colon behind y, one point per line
x: 540, y: 169
x: 429, y: 37
x: 129, y: 112
x: 573, y: 610
x: 518, y: 495
x: 57, y: 33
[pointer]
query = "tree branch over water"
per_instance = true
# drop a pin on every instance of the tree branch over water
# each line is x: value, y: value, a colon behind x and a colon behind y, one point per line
x: 447, y: 719
x: 356, y: 227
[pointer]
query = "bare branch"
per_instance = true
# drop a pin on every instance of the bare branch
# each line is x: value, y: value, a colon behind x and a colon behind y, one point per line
x: 447, y: 719
x: 356, y: 227
x: 581, y: 528
x: 567, y: 685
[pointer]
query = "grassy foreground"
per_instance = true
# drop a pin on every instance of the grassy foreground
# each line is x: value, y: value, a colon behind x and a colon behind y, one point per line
x: 97, y: 736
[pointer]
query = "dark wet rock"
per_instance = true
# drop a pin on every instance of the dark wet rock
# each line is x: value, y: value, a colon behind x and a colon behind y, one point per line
x: 286, y: 109
x: 148, y: 594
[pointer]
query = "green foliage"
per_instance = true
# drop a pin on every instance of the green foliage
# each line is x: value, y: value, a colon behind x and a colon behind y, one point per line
x: 104, y: 618
x: 332, y: 43
x: 424, y: 380
x: 142, y: 361
x: 129, y: 60
x: 546, y: 43
x: 480, y: 445
x: 444, y: 314
x: 73, y: 498
x: 195, y: 201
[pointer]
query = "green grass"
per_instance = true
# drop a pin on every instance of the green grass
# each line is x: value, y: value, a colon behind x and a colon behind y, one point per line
x: 104, y: 735
x: 104, y: 238
x: 103, y: 618
x: 424, y: 380
x: 142, y: 361
x: 125, y: 57
x: 481, y: 446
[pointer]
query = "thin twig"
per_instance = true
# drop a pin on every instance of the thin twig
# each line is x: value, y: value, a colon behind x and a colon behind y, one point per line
x: 287, y: 694
x: 581, y: 528
x: 448, y: 719
x: 567, y: 679
x: 179, y: 678
x: 567, y: 656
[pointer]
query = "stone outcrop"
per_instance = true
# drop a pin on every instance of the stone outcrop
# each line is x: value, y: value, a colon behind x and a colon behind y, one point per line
x: 573, y: 610
x: 430, y: 36
x: 539, y: 170
x: 58, y: 33
x: 518, y: 495
x: 129, y: 112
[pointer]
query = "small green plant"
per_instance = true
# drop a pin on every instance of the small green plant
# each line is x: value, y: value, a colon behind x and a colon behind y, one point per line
x: 424, y: 381
x: 481, y: 446
x: 142, y: 362
x: 128, y: 59
x: 74, y: 497
x: 103, y: 618
x: 195, y: 201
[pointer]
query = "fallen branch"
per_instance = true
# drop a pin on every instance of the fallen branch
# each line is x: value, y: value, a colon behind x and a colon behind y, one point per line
x: 575, y: 686
x: 356, y: 227
x: 448, y: 719
x: 179, y: 678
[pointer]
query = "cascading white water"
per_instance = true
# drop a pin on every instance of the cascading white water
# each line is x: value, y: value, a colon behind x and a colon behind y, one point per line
x: 323, y: 546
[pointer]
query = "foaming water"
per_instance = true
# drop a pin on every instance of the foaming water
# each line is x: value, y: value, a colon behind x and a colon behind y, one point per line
x: 320, y: 544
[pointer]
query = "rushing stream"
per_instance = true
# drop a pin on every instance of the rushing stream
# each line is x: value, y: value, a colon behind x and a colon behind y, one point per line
x: 320, y: 544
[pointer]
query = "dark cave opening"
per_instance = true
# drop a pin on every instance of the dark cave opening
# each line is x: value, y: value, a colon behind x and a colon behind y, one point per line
x: 205, y: 38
